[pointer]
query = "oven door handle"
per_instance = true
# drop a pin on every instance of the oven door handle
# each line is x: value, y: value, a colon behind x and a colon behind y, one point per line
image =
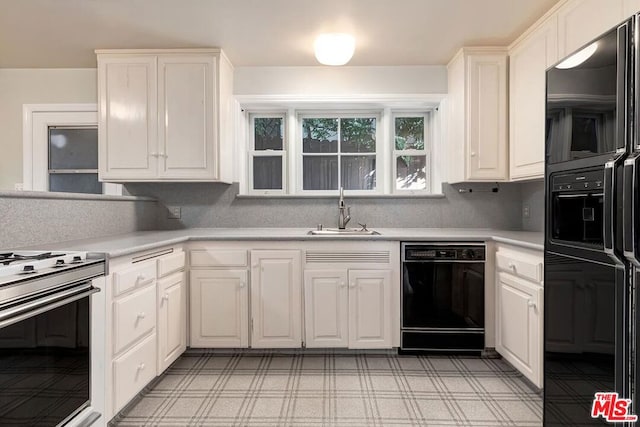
x: 33, y: 308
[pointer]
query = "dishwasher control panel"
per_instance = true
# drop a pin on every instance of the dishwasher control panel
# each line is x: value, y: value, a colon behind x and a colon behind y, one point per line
x: 430, y: 252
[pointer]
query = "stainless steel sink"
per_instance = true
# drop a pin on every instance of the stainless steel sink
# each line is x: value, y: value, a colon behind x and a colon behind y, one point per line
x: 344, y: 232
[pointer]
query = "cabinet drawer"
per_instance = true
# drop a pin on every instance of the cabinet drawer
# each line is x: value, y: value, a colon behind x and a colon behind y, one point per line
x: 523, y: 266
x: 133, y: 317
x: 134, y: 370
x: 170, y: 264
x: 138, y: 275
x: 218, y: 258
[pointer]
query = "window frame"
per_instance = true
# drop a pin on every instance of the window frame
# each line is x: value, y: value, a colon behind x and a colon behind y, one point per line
x: 338, y: 114
x: 252, y: 152
x: 383, y: 107
x: 426, y: 152
x: 36, y: 120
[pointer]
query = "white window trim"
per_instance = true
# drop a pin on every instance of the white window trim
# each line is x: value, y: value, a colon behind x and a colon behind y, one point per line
x: 428, y: 142
x: 36, y: 120
x: 386, y: 105
x: 339, y: 114
x: 252, y: 152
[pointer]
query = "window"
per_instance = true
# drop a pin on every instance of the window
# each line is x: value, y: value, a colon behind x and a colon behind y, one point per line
x: 365, y: 151
x: 339, y: 152
x: 73, y: 159
x: 410, y: 155
x: 267, y: 155
x: 61, y: 149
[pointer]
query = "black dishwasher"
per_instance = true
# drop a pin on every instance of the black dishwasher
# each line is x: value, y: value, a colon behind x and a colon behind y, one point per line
x: 443, y: 297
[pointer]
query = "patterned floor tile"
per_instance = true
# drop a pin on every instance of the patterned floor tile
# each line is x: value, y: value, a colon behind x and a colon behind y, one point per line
x: 252, y: 388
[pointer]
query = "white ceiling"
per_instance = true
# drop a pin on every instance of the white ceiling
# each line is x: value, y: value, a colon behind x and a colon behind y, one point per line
x: 64, y: 33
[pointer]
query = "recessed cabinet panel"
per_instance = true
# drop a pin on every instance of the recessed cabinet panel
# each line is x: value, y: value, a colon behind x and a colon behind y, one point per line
x: 185, y: 97
x: 172, y: 319
x: 487, y: 117
x: 219, y: 308
x: 477, y: 115
x: 326, y: 308
x: 276, y: 303
x: 128, y: 125
x: 369, y: 308
x: 580, y: 21
x: 527, y: 87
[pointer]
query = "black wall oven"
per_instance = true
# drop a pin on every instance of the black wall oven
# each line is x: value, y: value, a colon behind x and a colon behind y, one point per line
x: 443, y: 297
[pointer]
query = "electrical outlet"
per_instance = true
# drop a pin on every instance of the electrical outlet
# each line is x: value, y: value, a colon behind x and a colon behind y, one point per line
x: 175, y: 212
x: 18, y: 186
x: 526, y: 211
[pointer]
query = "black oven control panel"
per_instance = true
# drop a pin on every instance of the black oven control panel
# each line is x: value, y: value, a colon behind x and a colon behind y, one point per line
x: 443, y: 253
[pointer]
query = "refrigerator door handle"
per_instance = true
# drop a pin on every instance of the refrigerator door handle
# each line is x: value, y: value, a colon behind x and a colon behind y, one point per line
x: 609, y: 192
x: 629, y: 202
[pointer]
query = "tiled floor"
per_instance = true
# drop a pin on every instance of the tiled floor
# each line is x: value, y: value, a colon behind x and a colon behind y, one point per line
x: 279, y: 389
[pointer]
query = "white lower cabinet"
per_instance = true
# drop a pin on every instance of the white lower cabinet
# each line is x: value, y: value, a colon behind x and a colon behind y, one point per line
x: 369, y: 309
x: 133, y: 370
x: 276, y: 299
x: 172, y: 319
x: 520, y: 325
x: 519, y: 310
x: 219, y: 308
x: 326, y: 308
x: 348, y: 308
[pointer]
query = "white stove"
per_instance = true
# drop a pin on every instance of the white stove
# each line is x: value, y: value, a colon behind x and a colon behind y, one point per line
x: 63, y: 385
x: 25, y: 273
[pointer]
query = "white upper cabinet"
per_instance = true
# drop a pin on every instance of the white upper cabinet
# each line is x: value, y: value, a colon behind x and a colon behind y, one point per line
x: 580, y: 21
x: 528, y: 61
x: 477, y: 119
x: 128, y: 117
x: 185, y: 102
x: 165, y: 115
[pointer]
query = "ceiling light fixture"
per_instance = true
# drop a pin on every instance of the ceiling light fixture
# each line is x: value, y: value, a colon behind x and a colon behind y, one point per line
x: 334, y: 48
x: 579, y: 57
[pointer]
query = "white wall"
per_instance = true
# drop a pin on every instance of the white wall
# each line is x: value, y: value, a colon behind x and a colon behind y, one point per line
x: 34, y: 86
x: 340, y: 80
x: 42, y: 86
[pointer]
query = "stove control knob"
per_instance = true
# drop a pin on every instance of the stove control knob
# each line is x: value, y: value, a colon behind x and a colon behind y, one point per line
x: 28, y: 268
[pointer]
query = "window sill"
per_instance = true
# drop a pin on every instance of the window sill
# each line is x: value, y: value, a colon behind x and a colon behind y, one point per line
x: 346, y: 196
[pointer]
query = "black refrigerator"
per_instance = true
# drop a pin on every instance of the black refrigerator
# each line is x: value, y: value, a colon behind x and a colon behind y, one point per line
x: 591, y: 243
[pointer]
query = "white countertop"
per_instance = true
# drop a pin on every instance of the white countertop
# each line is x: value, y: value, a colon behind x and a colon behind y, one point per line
x: 125, y: 244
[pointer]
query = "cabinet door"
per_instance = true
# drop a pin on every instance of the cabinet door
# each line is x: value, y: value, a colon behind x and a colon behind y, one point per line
x: 219, y: 308
x: 326, y: 307
x: 185, y: 101
x: 369, y: 309
x: 580, y: 21
x: 519, y: 328
x: 487, y: 117
x: 127, y: 128
x: 527, y: 89
x: 172, y: 319
x: 276, y: 303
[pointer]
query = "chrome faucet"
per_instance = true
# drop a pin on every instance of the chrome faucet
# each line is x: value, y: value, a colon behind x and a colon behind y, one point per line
x: 343, y: 219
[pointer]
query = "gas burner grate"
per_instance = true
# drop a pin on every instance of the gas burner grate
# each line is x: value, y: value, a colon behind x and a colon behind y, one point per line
x: 8, y: 258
